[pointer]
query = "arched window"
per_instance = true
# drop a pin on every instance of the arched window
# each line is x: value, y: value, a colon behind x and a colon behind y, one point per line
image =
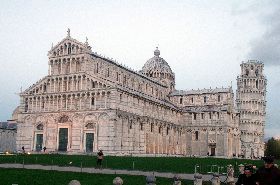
x: 59, y: 68
x: 92, y: 101
x: 219, y: 98
x: 167, y: 130
x: 194, y: 116
x: 40, y: 126
x: 257, y: 72
x: 210, y: 116
x: 141, y: 126
x: 192, y: 99
x: 63, y: 119
x: 196, y: 135
x: 69, y: 48
x: 257, y: 84
x: 247, y: 72
x: 96, y: 67
x: 90, y: 125
x: 45, y: 88
x: 26, y: 105
x: 152, y: 127
x: 181, y: 100
x: 202, y: 115
x: 205, y: 99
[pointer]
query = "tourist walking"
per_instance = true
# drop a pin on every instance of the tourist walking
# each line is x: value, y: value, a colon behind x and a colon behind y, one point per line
x: 100, y: 157
x: 268, y: 174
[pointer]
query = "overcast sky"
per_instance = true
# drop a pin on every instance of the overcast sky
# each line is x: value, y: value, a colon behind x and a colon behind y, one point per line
x: 203, y: 41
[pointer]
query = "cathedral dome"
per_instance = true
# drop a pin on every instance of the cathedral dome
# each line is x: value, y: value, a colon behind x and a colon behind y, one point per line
x: 157, y: 65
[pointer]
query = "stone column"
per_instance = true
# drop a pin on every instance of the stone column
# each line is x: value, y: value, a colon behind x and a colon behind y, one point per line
x: 40, y: 104
x: 61, y: 103
x: 90, y: 99
x: 95, y: 102
x: 61, y: 67
x: 80, y: 102
x: 70, y: 70
x: 81, y: 83
x: 197, y: 179
x: 54, y: 85
x: 66, y: 103
x: 56, y: 101
x: 67, y: 84
x: 105, y: 100
x: 72, y: 84
x: 36, y: 104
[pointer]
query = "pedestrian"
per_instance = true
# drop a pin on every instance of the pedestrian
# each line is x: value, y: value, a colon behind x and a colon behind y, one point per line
x: 268, y: 174
x: 248, y: 178
x: 45, y: 148
x: 100, y: 157
x: 23, y: 151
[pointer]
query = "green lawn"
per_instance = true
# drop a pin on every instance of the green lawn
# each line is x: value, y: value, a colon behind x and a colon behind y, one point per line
x: 161, y: 164
x: 41, y: 177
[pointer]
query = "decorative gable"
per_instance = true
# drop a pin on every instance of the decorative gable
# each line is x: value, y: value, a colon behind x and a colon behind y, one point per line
x: 69, y: 46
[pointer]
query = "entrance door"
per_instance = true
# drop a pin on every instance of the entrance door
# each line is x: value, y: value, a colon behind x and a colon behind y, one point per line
x: 212, y: 151
x: 39, y: 142
x: 63, y: 139
x: 89, y: 142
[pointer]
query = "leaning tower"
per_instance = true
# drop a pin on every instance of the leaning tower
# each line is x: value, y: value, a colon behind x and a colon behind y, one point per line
x: 250, y: 101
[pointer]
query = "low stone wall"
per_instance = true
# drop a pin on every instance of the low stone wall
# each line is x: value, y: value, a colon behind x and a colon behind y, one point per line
x: 7, y: 140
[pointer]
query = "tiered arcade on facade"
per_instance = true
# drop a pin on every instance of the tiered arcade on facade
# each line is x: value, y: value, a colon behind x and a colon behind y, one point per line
x: 251, y: 103
x: 89, y: 102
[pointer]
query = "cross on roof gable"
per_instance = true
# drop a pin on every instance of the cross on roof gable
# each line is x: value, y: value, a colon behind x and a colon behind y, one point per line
x: 67, y: 45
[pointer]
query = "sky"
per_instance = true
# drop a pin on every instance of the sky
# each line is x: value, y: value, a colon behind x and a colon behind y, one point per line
x: 203, y: 41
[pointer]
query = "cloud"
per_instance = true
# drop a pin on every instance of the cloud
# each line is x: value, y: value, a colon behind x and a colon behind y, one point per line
x: 267, y: 47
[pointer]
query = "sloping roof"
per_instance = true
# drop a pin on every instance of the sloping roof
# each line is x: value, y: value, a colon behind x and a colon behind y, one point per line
x: 200, y: 91
x: 7, y: 125
x: 3, y: 124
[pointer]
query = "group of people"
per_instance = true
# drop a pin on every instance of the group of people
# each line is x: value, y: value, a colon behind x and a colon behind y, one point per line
x: 23, y: 149
x: 269, y: 174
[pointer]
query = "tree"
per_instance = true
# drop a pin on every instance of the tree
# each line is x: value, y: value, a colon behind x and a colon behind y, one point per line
x: 273, y: 148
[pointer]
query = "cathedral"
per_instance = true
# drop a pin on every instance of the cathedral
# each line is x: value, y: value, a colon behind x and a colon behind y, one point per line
x: 89, y: 102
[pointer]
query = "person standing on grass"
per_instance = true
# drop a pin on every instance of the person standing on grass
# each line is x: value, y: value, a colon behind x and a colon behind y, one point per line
x: 45, y: 148
x: 23, y: 151
x: 100, y: 157
x: 268, y: 174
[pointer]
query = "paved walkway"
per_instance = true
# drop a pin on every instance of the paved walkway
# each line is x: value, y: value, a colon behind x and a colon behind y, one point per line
x: 107, y: 171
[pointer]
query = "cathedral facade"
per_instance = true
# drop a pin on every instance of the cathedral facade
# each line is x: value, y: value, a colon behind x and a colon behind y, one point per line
x: 88, y: 102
